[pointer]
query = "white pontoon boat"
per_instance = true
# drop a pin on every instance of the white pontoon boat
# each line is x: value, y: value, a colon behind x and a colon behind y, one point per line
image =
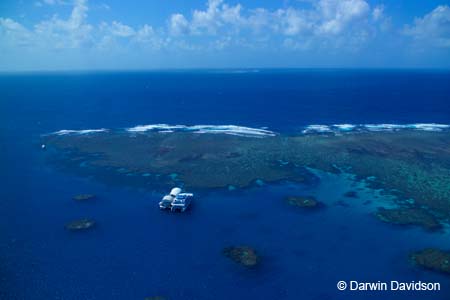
x: 176, y: 200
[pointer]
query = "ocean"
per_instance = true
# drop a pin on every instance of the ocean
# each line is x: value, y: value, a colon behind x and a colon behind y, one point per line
x: 136, y: 251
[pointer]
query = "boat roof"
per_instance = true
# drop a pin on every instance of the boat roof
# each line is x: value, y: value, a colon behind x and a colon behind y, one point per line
x: 175, y: 191
x: 184, y: 195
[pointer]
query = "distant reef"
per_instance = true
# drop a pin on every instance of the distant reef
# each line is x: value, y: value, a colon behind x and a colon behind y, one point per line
x: 412, y: 165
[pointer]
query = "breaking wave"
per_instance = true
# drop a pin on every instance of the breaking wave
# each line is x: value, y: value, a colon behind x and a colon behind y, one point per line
x: 342, y: 128
x: 264, y: 132
x: 84, y: 131
x: 224, y: 129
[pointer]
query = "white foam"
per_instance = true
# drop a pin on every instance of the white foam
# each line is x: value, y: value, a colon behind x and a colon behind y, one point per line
x: 430, y: 126
x: 345, y: 127
x: 223, y: 129
x: 317, y: 129
x: 83, y: 131
x: 384, y: 127
x: 231, y: 129
x: 156, y: 127
x: 415, y: 126
x: 264, y: 132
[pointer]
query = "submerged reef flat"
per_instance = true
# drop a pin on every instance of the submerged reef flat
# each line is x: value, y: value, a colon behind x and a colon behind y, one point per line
x: 243, y: 255
x: 351, y: 194
x: 408, y: 164
x: 432, y: 259
x: 198, y: 160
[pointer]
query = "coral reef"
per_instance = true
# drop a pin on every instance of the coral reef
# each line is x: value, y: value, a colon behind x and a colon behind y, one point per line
x: 351, y: 194
x: 432, y: 259
x: 407, y: 164
x: 304, y: 202
x: 83, y: 197
x: 81, y: 224
x: 409, y: 216
x: 243, y: 255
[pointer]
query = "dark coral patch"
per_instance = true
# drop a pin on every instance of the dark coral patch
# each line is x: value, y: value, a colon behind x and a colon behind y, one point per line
x: 304, y: 202
x: 409, y: 216
x: 78, y: 225
x: 83, y: 197
x: 432, y: 259
x: 243, y: 255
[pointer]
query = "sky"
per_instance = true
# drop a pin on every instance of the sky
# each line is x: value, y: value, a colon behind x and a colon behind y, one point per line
x: 156, y: 34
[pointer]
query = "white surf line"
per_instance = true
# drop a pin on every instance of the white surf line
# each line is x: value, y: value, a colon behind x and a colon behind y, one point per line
x: 343, y: 128
x: 82, y: 131
x: 214, y: 129
x: 264, y: 132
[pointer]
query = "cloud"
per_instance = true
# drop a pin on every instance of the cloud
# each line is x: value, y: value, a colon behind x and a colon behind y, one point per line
x: 145, y: 34
x: 324, y: 23
x: 72, y: 32
x: 336, y: 15
x: 121, y: 30
x: 178, y: 24
x: 433, y: 29
x: 378, y: 12
x: 10, y: 25
x: 319, y: 27
x: 116, y: 35
x: 217, y: 15
x: 207, y: 20
x: 292, y: 22
x: 13, y: 33
x: 51, y: 2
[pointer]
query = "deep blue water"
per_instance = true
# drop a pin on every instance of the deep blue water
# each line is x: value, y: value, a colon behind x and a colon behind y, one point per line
x: 137, y: 251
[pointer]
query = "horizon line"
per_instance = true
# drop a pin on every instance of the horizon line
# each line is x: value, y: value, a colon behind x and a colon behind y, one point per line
x: 206, y: 69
